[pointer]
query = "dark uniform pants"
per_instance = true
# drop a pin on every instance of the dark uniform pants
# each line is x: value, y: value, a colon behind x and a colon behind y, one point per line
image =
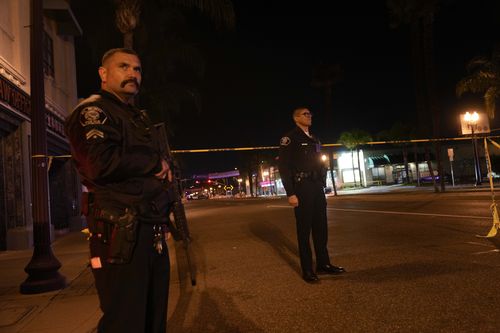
x: 310, y: 216
x: 133, y: 297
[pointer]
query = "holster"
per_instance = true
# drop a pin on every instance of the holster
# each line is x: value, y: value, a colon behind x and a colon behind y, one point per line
x: 123, y: 238
x: 116, y: 228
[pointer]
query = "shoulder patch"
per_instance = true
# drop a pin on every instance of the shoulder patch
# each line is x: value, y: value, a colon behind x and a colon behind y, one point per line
x: 285, y: 141
x: 94, y: 134
x: 92, y: 115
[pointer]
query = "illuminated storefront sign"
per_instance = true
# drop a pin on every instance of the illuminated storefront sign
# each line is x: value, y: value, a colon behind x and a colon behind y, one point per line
x: 14, y: 97
x: 20, y: 101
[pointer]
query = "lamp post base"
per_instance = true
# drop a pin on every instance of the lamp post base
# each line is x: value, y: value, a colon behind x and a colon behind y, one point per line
x: 43, y: 275
x: 44, y: 282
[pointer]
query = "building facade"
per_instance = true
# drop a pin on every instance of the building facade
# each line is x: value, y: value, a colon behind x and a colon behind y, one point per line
x: 60, y: 27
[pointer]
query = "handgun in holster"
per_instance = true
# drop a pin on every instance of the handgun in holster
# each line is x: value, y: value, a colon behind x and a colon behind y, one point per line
x: 123, y: 235
x: 115, y: 227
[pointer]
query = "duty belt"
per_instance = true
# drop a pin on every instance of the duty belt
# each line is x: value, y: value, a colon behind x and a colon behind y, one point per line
x: 146, y: 213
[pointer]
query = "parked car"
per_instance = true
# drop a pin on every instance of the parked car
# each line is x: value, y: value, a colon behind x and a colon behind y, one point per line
x: 428, y: 179
x: 197, y: 196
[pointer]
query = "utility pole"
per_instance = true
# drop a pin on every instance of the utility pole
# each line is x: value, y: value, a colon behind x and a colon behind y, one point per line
x: 331, y: 172
x: 43, y: 268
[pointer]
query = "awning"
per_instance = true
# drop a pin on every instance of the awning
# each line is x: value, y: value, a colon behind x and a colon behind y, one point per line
x: 377, y: 161
x: 391, y: 159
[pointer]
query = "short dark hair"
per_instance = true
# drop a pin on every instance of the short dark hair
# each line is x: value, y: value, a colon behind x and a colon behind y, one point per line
x: 111, y: 52
x: 296, y: 111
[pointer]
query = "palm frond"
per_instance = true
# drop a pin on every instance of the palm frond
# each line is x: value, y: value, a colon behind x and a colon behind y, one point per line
x: 354, y: 138
x: 346, y: 139
x: 490, y: 97
x: 220, y: 11
x: 476, y: 62
x: 475, y: 83
x: 127, y: 14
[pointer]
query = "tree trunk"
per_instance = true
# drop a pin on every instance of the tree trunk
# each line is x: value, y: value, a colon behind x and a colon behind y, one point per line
x: 415, y: 154
x: 431, y: 90
x: 128, y: 40
x: 328, y: 106
x: 359, y: 170
x: 353, y: 168
x: 439, y: 159
x: 332, y: 174
x: 431, y: 169
x: 250, y: 182
x: 418, y: 72
x: 405, y: 161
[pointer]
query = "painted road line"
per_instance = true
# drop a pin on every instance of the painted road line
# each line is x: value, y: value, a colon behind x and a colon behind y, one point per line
x: 394, y: 212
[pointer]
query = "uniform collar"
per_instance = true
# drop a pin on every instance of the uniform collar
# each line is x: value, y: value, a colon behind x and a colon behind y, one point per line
x: 107, y: 94
x: 300, y: 130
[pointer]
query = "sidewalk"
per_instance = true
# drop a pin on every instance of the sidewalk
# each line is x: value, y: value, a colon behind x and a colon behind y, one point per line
x: 74, y: 309
x: 399, y: 188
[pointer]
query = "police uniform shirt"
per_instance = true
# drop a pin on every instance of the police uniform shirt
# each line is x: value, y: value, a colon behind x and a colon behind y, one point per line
x: 298, y: 153
x: 115, y: 148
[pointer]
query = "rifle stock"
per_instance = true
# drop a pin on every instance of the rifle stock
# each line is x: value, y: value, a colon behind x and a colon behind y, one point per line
x: 180, y: 230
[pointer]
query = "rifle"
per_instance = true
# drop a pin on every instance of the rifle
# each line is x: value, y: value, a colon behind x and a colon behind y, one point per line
x: 180, y: 229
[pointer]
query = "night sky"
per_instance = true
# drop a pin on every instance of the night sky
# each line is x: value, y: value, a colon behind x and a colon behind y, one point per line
x: 258, y: 73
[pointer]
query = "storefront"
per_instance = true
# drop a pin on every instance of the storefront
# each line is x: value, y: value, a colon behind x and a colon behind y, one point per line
x: 15, y: 171
x: 60, y: 27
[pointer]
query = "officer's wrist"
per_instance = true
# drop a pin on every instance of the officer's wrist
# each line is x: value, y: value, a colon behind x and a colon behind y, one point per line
x: 158, y: 166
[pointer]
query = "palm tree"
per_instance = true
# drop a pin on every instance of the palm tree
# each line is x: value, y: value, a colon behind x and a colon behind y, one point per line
x: 128, y: 13
x: 399, y: 132
x: 347, y: 140
x: 324, y: 77
x: 127, y: 16
x: 352, y: 140
x: 419, y: 14
x: 176, y: 66
x: 484, y: 77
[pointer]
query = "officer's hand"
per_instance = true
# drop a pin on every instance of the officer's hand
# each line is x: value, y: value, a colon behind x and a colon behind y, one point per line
x: 168, y: 235
x: 165, y: 171
x: 293, y: 200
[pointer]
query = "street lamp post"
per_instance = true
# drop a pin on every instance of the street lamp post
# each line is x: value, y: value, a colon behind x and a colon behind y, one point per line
x: 471, y: 119
x: 43, y: 267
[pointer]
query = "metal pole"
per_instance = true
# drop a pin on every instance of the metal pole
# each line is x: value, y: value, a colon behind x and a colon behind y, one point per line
x: 476, y: 158
x: 331, y: 172
x: 43, y: 268
x: 452, y: 177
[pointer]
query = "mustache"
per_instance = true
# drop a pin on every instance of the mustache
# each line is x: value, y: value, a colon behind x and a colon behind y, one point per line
x: 133, y: 80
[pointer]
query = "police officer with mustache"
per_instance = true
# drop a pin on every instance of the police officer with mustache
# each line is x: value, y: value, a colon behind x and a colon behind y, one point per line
x: 115, y: 149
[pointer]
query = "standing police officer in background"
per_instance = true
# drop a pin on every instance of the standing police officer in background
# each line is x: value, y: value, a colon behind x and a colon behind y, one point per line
x: 304, y: 176
x: 115, y: 149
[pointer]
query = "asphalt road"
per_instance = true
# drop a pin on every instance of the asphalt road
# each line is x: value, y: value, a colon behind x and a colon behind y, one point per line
x: 413, y: 261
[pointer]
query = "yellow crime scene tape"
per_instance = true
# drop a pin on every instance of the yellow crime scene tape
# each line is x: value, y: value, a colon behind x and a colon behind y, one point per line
x: 50, y: 158
x: 491, y: 236
x: 213, y: 150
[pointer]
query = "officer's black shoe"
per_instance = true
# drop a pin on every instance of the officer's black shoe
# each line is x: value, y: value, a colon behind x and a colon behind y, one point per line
x: 310, y: 277
x: 329, y: 269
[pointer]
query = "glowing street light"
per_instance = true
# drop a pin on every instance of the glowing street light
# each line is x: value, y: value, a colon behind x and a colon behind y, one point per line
x: 472, y: 119
x: 240, y: 180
